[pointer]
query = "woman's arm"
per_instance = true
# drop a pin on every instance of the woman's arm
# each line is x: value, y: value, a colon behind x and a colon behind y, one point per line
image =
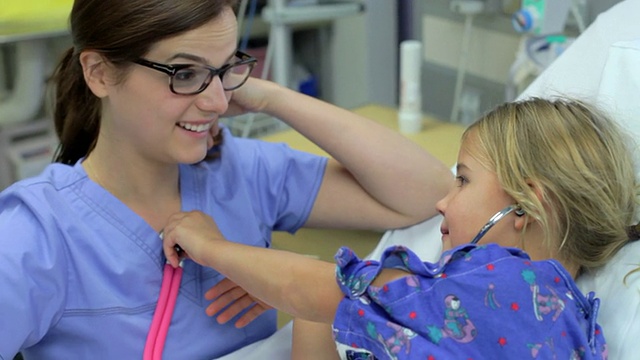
x: 379, y: 179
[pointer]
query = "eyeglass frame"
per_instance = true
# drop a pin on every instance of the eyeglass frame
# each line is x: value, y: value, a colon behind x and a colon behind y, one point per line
x: 172, y: 70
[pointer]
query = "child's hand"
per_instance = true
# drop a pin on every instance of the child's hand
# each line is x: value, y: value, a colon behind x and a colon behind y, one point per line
x: 194, y: 232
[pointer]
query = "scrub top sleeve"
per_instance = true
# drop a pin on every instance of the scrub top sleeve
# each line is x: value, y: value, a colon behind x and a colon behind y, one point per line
x: 32, y: 276
x: 287, y: 182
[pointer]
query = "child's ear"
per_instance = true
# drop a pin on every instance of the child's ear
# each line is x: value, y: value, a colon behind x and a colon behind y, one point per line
x: 95, y: 71
x: 522, y: 218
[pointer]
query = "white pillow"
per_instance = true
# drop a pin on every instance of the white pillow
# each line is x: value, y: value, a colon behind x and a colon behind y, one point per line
x: 619, y: 313
x: 424, y: 239
x: 619, y: 90
x: 603, y: 65
x: 619, y: 93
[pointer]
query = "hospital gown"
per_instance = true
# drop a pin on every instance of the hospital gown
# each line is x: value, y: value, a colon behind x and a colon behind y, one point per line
x: 477, y: 302
x: 80, y: 272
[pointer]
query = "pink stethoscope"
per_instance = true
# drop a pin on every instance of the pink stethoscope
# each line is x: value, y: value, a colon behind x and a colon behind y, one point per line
x: 171, y: 278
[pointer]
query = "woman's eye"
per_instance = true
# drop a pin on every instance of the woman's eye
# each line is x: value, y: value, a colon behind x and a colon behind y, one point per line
x: 461, y: 180
x: 185, y: 75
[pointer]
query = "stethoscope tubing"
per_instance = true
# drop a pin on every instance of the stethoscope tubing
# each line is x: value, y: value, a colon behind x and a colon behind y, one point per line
x: 157, y: 315
x: 168, y: 312
x: 494, y: 219
x: 164, y: 312
x: 171, y: 278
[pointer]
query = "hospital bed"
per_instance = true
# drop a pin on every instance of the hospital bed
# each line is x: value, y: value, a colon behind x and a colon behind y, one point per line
x: 602, y: 66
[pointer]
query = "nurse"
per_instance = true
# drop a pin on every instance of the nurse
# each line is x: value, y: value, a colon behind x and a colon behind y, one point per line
x: 138, y: 101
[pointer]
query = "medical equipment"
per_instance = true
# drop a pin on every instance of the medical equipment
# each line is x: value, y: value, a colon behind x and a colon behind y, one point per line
x: 469, y: 8
x: 494, y: 219
x: 535, y: 54
x: 410, y: 112
x: 25, y: 149
x: 157, y: 335
x: 543, y: 24
x: 541, y: 17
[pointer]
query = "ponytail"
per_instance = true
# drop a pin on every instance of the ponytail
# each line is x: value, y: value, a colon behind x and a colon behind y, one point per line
x: 76, y: 112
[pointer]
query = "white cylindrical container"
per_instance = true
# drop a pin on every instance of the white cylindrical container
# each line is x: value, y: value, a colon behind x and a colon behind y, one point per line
x: 410, y: 112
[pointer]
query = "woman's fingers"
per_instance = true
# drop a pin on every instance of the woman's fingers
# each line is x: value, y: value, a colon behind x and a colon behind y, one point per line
x: 220, y: 288
x: 234, y: 309
x: 256, y: 310
x: 229, y: 303
x: 229, y: 300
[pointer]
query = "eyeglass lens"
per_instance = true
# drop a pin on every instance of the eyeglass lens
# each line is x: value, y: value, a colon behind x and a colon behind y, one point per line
x: 193, y: 78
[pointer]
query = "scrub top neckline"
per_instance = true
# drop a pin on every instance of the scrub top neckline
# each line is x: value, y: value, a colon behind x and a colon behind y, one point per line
x: 128, y: 221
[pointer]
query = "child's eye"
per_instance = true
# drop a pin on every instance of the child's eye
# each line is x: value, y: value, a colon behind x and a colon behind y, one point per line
x: 461, y: 180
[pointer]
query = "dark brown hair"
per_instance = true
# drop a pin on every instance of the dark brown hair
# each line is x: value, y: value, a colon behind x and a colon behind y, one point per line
x: 121, y: 30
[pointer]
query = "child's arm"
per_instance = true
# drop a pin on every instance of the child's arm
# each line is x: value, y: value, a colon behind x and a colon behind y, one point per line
x: 293, y: 283
x: 312, y: 341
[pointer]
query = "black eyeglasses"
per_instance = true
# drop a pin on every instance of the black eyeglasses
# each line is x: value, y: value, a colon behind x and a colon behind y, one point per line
x: 191, y: 79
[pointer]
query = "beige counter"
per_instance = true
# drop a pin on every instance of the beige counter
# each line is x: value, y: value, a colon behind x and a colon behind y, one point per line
x: 442, y: 139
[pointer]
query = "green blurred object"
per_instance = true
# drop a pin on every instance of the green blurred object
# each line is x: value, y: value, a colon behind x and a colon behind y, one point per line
x: 26, y: 19
x: 28, y: 10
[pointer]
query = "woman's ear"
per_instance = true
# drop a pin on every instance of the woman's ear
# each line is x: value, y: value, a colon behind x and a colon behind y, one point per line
x: 95, y: 72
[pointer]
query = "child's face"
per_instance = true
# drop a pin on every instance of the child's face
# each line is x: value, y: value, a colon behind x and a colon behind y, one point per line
x: 469, y: 205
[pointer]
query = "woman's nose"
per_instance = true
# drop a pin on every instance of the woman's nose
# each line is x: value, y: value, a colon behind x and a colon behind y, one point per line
x: 214, y: 98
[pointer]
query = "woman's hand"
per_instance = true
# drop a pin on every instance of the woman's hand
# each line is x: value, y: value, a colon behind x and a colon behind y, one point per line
x: 233, y: 299
x: 251, y: 97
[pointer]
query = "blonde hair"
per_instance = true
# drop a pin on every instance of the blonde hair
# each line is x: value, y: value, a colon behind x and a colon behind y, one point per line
x: 569, y: 167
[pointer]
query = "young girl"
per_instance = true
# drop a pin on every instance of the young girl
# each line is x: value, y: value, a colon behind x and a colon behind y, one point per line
x: 557, y: 180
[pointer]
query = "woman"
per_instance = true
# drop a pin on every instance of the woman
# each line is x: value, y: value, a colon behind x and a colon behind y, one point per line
x: 138, y: 102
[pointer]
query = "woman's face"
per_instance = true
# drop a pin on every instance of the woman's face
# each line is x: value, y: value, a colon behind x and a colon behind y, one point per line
x: 141, y: 116
x: 469, y: 205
